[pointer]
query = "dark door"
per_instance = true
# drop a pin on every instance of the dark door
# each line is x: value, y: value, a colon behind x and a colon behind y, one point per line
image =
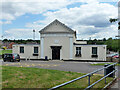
x: 56, y: 53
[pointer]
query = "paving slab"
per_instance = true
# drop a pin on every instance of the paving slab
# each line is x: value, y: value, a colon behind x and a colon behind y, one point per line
x: 116, y: 85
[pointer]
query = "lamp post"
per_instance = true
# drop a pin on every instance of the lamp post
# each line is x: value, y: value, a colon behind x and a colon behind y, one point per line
x: 119, y: 30
x: 2, y: 41
x: 118, y: 46
x: 33, y: 34
x: 114, y: 20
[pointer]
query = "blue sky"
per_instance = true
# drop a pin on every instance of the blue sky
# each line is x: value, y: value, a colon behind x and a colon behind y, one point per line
x: 20, y: 21
x: 20, y: 18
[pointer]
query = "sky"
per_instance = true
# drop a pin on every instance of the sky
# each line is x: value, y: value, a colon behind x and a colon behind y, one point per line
x: 89, y: 18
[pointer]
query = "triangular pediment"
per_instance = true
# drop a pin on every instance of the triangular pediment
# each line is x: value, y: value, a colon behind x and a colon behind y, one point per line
x: 56, y: 27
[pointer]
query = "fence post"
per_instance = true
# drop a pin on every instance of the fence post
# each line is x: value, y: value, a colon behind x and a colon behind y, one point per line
x: 105, y: 73
x: 105, y: 80
x: 89, y: 80
x: 114, y: 72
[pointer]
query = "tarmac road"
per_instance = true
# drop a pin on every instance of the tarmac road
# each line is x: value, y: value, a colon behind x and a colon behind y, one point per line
x: 82, y: 67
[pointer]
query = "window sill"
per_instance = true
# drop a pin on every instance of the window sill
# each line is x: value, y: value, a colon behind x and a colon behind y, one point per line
x: 78, y: 55
x: 35, y: 54
x: 94, y: 56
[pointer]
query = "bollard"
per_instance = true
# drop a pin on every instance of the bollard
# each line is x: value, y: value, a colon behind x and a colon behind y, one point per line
x: 46, y: 58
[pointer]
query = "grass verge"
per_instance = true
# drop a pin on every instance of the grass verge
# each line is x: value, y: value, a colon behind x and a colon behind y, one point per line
x: 23, y: 77
x: 5, y: 51
x: 102, y: 64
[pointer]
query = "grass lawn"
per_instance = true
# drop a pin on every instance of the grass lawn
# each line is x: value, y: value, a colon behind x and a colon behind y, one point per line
x: 24, y: 77
x: 102, y: 64
x: 5, y: 51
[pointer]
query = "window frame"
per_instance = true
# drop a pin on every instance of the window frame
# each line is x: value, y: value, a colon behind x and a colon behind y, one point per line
x: 78, y: 52
x: 37, y: 50
x: 94, y: 53
x: 21, y: 51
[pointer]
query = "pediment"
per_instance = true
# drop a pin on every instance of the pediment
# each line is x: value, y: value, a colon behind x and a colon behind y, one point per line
x: 56, y: 27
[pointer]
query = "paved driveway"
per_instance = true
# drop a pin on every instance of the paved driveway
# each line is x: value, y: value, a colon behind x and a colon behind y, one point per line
x: 83, y: 67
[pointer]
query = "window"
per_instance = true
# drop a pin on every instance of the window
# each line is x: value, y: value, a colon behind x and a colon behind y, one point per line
x: 35, y: 49
x: 21, y: 49
x: 94, y: 52
x: 78, y: 51
x: 15, y: 55
x: 7, y: 55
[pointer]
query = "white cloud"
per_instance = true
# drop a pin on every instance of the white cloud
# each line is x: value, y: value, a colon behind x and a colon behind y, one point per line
x: 12, y: 9
x: 5, y: 22
x: 20, y: 34
x: 98, y: 33
x: 90, y: 20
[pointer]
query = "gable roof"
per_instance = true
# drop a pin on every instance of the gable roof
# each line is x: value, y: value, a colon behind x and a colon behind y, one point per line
x: 56, y: 21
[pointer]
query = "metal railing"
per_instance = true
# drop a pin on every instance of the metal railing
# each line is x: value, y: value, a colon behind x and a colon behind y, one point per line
x: 89, y: 75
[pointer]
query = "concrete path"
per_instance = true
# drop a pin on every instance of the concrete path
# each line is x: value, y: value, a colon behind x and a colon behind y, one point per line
x: 116, y: 85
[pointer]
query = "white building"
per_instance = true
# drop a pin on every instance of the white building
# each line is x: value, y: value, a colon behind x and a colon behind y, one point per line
x: 57, y: 41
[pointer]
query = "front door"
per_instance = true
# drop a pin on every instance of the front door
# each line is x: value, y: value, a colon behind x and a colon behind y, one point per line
x: 56, y: 52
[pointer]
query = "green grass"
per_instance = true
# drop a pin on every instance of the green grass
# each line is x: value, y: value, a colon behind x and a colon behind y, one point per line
x: 102, y: 64
x: 5, y: 51
x: 23, y: 77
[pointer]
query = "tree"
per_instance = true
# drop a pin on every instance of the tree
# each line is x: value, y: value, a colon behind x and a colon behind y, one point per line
x: 113, y: 20
x: 104, y: 39
x: 5, y: 40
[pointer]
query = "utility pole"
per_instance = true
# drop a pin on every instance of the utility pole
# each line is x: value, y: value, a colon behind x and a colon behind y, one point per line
x: 119, y: 30
x: 118, y: 46
x: 114, y: 20
x: 89, y: 38
x: 2, y: 41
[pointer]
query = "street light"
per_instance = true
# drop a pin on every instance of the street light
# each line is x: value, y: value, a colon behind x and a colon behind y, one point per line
x: 119, y: 30
x: 118, y: 39
x: 33, y: 34
x: 118, y: 46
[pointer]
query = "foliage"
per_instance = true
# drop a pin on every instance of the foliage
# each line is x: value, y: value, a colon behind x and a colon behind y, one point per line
x: 22, y: 41
x: 113, y: 20
x: 4, y: 48
x: 112, y: 44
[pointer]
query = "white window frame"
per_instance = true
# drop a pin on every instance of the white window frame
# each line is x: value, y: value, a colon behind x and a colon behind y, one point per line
x: 37, y: 49
x: 78, y: 51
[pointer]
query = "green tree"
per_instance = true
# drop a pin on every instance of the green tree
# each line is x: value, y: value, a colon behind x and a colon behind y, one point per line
x: 104, y: 39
